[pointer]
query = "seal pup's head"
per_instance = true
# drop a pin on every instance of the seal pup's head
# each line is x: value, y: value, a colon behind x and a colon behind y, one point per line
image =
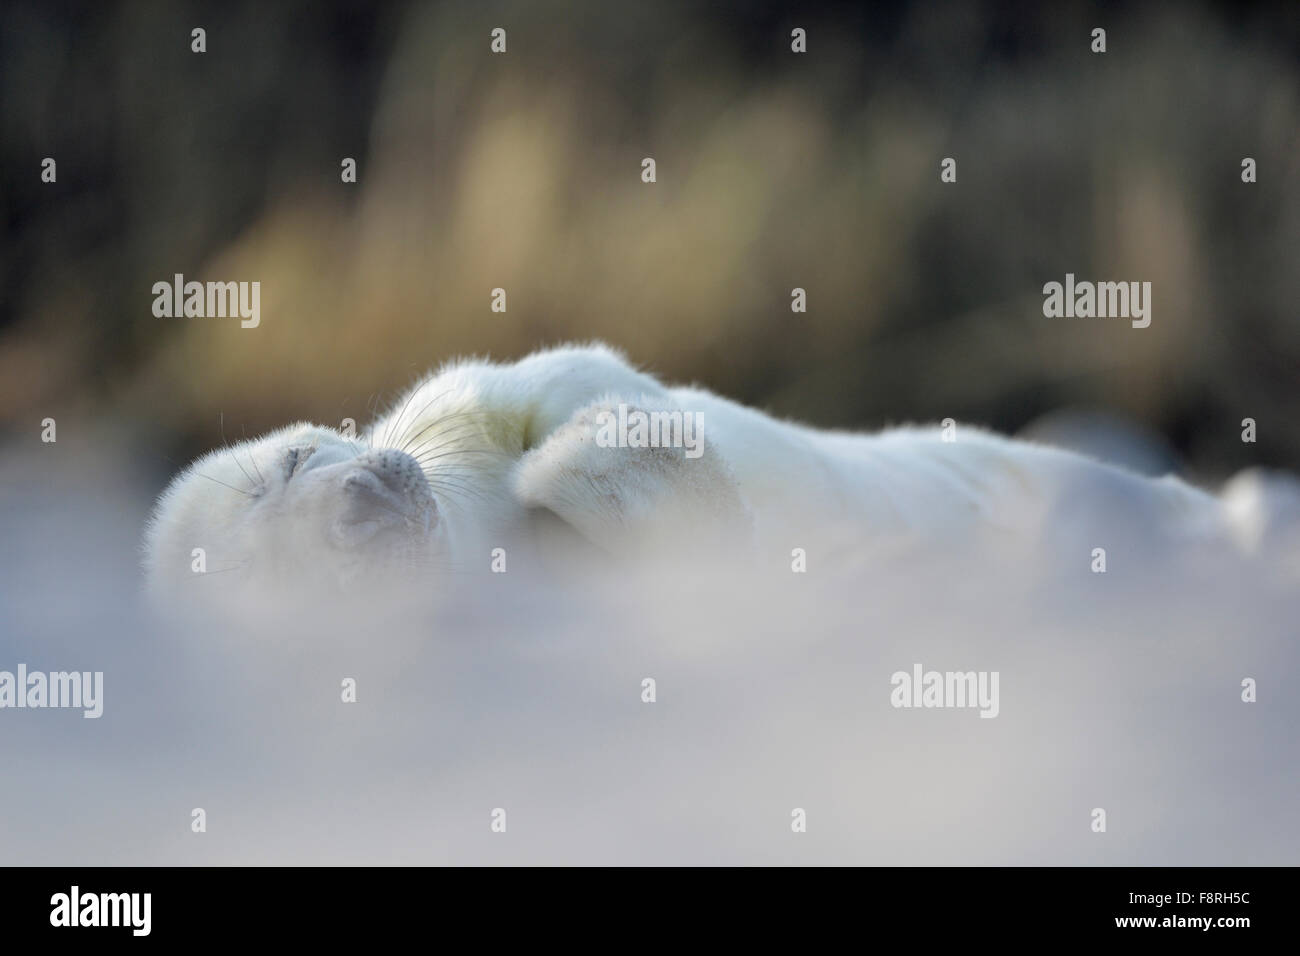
x: 302, y: 504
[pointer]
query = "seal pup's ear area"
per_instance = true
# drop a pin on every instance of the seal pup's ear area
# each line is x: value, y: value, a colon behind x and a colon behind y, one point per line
x: 633, y: 499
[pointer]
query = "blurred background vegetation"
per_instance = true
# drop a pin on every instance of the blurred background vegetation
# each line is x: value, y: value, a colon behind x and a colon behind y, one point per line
x: 775, y: 170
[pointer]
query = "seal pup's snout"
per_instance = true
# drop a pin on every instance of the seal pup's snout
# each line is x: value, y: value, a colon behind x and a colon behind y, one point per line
x: 396, y: 470
x: 384, y: 490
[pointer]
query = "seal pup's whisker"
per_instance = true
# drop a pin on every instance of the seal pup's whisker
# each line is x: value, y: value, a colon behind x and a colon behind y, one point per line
x: 429, y: 456
x: 451, y: 488
x: 394, y: 421
x: 460, y: 431
x: 410, y: 398
x: 439, y: 442
x: 221, y: 419
x: 246, y: 494
x: 237, y: 566
x: 438, y: 422
x: 251, y: 460
x: 420, y: 414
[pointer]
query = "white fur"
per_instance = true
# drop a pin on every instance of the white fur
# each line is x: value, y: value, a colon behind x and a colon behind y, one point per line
x: 497, y: 442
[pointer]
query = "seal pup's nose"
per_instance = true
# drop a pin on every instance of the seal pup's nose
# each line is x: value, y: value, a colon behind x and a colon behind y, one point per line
x: 396, y: 471
x: 386, y: 489
x: 366, y: 486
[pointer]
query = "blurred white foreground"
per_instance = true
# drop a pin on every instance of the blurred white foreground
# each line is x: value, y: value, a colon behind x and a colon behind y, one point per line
x: 523, y: 691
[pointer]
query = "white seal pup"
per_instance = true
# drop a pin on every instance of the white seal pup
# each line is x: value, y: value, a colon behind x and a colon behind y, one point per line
x: 471, y: 455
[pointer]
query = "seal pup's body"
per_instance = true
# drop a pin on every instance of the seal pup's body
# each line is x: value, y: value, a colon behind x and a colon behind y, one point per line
x: 464, y: 462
